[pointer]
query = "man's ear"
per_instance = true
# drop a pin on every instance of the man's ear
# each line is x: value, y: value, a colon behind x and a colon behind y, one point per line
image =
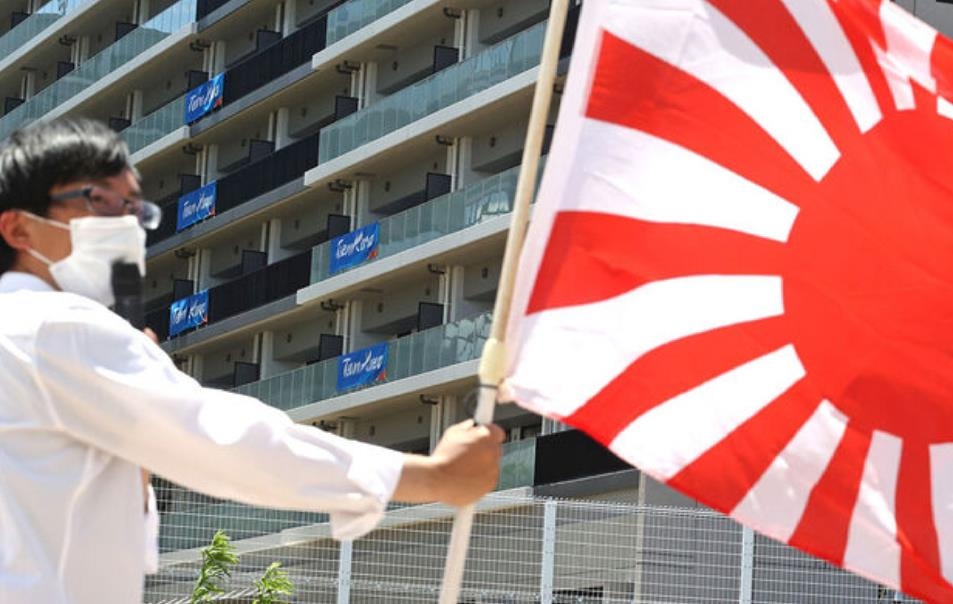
x: 14, y: 231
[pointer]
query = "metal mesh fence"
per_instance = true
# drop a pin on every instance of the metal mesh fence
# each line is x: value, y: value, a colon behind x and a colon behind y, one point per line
x: 523, y: 549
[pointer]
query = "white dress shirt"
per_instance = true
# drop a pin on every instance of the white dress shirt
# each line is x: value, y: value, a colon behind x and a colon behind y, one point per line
x: 85, y: 400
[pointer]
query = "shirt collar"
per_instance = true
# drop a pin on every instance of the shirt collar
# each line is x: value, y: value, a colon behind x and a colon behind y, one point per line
x: 12, y: 281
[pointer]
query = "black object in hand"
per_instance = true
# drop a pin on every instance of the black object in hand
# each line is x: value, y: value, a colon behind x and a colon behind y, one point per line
x: 127, y: 290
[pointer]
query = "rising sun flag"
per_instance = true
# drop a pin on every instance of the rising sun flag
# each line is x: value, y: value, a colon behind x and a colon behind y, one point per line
x: 739, y: 274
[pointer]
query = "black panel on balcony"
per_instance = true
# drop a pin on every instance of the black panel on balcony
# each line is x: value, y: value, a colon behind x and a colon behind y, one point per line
x: 245, y: 373
x: 434, y: 186
x: 444, y: 56
x: 248, y: 262
x: 158, y: 321
x: 429, y: 314
x: 257, y: 149
x: 11, y: 103
x: 63, y: 68
x: 204, y: 7
x: 570, y: 455
x: 17, y: 17
x: 182, y: 288
x: 123, y: 28
x: 329, y: 346
x: 273, y: 58
x: 118, y: 124
x: 275, y: 281
x: 282, y: 166
x: 194, y: 78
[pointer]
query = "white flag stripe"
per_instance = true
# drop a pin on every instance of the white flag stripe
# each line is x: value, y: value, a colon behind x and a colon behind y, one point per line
x: 900, y: 88
x: 713, y: 49
x: 664, y: 440
x: 776, y: 502
x: 944, y: 107
x: 562, y: 366
x: 821, y: 27
x: 909, y: 44
x: 605, y: 183
x: 941, y: 460
x: 872, y: 548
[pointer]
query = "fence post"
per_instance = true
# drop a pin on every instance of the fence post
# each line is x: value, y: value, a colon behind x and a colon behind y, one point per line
x: 546, y: 580
x: 747, y: 565
x: 344, y: 572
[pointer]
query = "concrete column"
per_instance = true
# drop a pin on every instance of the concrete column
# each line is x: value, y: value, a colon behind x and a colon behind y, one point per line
x: 281, y: 127
x: 272, y: 244
x: 361, y: 203
x: 265, y: 353
x: 134, y: 105
x: 364, y: 84
x: 290, y: 21
x: 208, y: 163
x: 455, y: 276
x: 347, y: 427
x: 217, y: 54
x: 463, y: 170
x: 28, y: 84
x: 143, y: 11
x: 204, y: 273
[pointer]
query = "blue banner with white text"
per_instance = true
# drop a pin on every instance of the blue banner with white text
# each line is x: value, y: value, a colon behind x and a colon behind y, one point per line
x: 362, y: 367
x: 360, y: 245
x: 188, y: 313
x: 204, y: 98
x: 196, y: 206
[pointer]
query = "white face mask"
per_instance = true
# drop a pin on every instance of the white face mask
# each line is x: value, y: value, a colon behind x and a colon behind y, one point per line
x: 98, y: 242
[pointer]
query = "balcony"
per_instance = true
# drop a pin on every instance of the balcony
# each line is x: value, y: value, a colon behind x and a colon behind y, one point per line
x: 450, y: 213
x: 274, y: 60
x: 462, y: 80
x: 152, y: 127
x: 354, y: 15
x: 100, y: 65
x: 411, y: 355
x: 27, y: 29
x: 259, y: 287
x: 252, y: 288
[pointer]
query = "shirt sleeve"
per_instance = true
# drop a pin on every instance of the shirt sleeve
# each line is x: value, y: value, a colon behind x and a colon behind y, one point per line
x: 112, y: 387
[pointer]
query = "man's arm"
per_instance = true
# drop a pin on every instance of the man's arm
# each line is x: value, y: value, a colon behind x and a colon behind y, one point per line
x: 464, y: 466
x: 113, y: 388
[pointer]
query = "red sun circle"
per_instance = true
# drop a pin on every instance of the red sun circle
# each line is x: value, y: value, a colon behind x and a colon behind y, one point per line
x: 868, y: 279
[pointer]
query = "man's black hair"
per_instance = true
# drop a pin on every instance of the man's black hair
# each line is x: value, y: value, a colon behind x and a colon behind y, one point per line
x: 42, y: 155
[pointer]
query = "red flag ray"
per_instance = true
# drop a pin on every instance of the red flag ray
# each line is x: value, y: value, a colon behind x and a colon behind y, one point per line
x: 826, y: 519
x: 916, y: 530
x: 677, y: 107
x: 862, y: 26
x: 615, y: 254
x: 730, y: 469
x: 652, y: 379
x: 783, y: 41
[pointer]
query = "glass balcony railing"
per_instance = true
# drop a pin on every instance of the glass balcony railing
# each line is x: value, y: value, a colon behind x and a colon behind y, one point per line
x: 455, y: 211
x: 518, y: 464
x: 98, y: 66
x: 453, y: 84
x: 352, y: 16
x: 411, y: 355
x: 154, y: 126
x: 35, y: 23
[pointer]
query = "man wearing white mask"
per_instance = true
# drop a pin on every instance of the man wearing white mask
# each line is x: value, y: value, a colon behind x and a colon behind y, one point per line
x: 86, y: 400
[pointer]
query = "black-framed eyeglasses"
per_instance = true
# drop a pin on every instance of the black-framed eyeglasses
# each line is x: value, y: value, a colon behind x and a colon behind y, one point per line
x: 105, y: 202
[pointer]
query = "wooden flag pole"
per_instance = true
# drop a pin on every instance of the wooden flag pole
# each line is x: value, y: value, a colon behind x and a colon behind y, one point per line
x: 493, y: 358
